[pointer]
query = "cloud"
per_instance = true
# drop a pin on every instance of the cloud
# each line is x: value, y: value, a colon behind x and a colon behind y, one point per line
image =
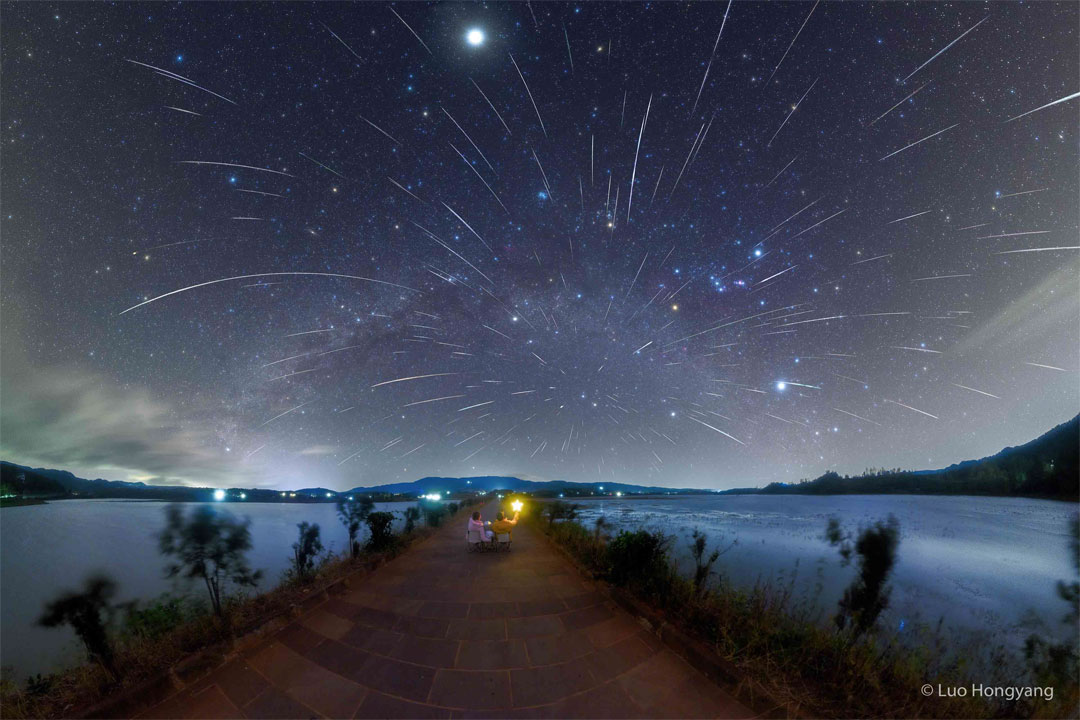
x: 83, y: 422
x: 319, y: 450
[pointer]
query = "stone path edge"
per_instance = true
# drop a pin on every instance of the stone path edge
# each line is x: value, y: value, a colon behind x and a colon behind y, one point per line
x: 195, y: 666
x: 688, y: 647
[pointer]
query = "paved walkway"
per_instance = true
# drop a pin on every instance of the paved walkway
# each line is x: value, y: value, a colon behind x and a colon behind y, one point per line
x: 440, y: 633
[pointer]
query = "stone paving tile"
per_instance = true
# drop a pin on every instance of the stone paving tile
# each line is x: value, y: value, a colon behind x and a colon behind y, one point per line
x: 378, y: 705
x: 444, y: 610
x: 549, y: 683
x: 471, y: 689
x: 341, y: 607
x: 326, y: 624
x: 612, y: 630
x: 604, y: 701
x: 551, y: 649
x: 535, y: 626
x: 434, y: 652
x: 489, y: 610
x: 533, y: 713
x: 299, y: 638
x: 492, y: 655
x: 424, y: 627
x: 468, y: 629
x: 210, y: 702
x: 541, y: 607
x: 408, y: 681
x: 337, y: 657
x: 585, y: 617
x: 376, y: 640
x: 608, y: 662
x: 273, y: 704
x: 240, y: 682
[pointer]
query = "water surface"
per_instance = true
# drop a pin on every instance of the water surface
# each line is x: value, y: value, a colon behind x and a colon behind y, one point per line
x: 986, y: 567
x: 46, y: 549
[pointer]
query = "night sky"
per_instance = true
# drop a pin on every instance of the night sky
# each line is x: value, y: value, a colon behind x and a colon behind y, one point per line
x: 708, y: 245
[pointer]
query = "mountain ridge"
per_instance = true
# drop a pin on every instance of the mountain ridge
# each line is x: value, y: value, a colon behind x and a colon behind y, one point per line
x: 1046, y: 467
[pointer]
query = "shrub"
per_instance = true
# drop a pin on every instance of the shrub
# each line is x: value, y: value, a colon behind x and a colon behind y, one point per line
x: 867, y: 596
x: 452, y: 508
x: 210, y: 546
x: 306, y: 549
x: 412, y: 514
x: 639, y: 560
x: 154, y: 619
x: 382, y: 534
x: 434, y: 512
x: 560, y: 510
x: 87, y: 612
x: 352, y: 515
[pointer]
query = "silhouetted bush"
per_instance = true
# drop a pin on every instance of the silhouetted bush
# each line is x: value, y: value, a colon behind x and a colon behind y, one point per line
x: 434, y: 512
x: 381, y: 526
x: 451, y: 508
x: 208, y: 545
x: 306, y: 549
x: 352, y: 515
x: 88, y: 612
x: 867, y: 596
x: 155, y: 618
x: 702, y: 566
x: 560, y: 510
x: 639, y: 560
x: 412, y: 514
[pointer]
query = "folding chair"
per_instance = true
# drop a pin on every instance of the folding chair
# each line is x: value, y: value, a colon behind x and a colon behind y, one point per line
x: 504, y: 542
x: 475, y: 540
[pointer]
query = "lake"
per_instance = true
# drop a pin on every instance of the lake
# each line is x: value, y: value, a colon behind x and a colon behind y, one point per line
x: 986, y: 567
x: 45, y: 549
x: 982, y: 564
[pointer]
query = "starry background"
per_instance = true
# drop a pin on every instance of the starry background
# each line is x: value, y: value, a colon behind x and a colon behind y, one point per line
x: 777, y: 282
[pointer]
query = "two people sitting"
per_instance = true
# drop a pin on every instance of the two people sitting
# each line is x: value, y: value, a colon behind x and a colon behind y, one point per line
x: 501, y: 526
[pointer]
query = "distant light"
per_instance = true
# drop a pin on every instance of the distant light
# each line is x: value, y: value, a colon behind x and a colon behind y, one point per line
x: 757, y: 253
x: 219, y: 495
x: 284, y: 494
x: 350, y: 498
x: 433, y: 496
x: 475, y: 37
x: 781, y: 386
x: 618, y: 494
x: 329, y: 494
x: 601, y: 487
x: 243, y: 496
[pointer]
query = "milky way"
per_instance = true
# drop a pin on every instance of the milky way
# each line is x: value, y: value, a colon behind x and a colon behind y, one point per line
x: 710, y: 245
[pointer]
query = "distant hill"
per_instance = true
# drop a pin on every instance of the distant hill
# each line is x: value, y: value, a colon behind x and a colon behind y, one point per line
x: 1046, y: 467
x: 445, y: 485
x: 40, y: 483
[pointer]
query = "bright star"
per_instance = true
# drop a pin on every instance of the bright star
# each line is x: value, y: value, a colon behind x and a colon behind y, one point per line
x: 475, y: 37
x: 781, y: 385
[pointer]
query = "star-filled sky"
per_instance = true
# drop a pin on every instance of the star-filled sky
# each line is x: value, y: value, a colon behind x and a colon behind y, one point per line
x: 709, y: 244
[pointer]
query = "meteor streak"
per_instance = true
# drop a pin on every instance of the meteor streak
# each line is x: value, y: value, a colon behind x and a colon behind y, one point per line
x: 273, y: 274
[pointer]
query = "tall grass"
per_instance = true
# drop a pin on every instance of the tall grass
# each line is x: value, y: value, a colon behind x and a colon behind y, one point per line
x: 786, y: 650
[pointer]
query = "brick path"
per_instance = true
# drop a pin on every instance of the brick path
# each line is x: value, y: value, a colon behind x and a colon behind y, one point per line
x: 440, y: 633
